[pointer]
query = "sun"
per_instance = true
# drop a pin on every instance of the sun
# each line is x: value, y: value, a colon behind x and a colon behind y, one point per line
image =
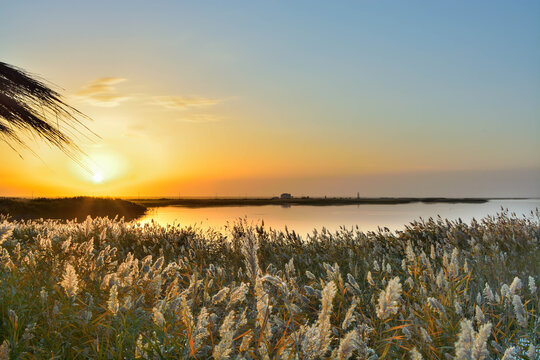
x: 104, y: 167
x: 97, y: 177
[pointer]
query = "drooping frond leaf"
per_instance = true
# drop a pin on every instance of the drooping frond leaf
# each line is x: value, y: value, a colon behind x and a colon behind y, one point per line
x: 28, y: 105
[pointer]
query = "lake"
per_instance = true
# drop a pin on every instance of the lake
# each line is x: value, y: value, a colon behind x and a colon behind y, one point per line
x: 303, y: 219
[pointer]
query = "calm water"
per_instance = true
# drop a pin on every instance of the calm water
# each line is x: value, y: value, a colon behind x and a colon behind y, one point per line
x: 303, y: 219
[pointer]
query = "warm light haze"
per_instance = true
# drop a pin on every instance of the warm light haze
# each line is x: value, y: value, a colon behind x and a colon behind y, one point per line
x: 299, y: 179
x: 246, y: 98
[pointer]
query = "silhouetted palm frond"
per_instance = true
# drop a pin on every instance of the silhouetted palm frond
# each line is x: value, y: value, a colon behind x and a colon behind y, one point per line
x: 28, y: 105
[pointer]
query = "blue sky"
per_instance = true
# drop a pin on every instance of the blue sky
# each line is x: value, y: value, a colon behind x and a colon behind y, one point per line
x: 302, y: 90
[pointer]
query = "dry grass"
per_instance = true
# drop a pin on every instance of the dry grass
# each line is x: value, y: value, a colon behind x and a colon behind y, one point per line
x: 109, y: 289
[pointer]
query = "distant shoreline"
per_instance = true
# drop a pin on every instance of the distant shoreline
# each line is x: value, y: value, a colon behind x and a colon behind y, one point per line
x: 304, y: 201
x: 130, y: 209
x: 70, y: 208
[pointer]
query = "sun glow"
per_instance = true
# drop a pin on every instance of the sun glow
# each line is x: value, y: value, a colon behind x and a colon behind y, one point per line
x: 97, y: 177
x: 105, y: 167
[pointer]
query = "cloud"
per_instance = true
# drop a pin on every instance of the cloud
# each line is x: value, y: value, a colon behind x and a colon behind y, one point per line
x: 102, y: 92
x: 200, y: 118
x: 136, y: 131
x: 189, y: 104
x: 183, y: 102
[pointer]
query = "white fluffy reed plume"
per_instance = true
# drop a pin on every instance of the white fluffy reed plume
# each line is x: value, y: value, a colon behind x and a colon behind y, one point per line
x: 323, y: 322
x: 389, y: 299
x: 226, y: 332
x: 317, y: 337
x: 472, y: 345
x: 112, y: 303
x: 347, y: 345
x: 519, y: 311
x: 509, y: 354
x: 532, y: 286
x: 250, y: 246
x: 70, y: 281
x: 415, y: 355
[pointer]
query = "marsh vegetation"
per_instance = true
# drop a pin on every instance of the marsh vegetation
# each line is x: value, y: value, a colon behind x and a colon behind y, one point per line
x: 69, y: 208
x: 110, y: 289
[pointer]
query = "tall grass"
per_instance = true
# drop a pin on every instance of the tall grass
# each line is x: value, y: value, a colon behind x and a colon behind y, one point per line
x: 109, y: 289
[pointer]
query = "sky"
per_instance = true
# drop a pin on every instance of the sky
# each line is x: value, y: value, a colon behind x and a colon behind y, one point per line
x: 255, y: 98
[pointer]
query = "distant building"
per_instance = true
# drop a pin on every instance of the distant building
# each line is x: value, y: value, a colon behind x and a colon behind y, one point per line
x: 286, y: 196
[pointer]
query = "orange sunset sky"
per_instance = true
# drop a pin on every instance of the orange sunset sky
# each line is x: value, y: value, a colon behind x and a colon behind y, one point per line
x: 244, y: 99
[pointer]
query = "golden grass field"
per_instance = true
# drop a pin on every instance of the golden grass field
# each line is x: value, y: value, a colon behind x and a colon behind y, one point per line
x: 109, y: 289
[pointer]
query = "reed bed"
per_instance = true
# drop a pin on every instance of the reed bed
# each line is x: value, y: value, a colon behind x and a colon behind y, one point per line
x: 110, y: 289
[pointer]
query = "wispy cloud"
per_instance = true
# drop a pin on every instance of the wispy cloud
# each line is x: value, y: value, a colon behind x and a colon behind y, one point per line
x: 102, y: 92
x: 136, y: 131
x: 184, y: 102
x: 200, y: 118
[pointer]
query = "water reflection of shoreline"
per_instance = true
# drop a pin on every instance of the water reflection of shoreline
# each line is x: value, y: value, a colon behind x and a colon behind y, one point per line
x: 303, y: 219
